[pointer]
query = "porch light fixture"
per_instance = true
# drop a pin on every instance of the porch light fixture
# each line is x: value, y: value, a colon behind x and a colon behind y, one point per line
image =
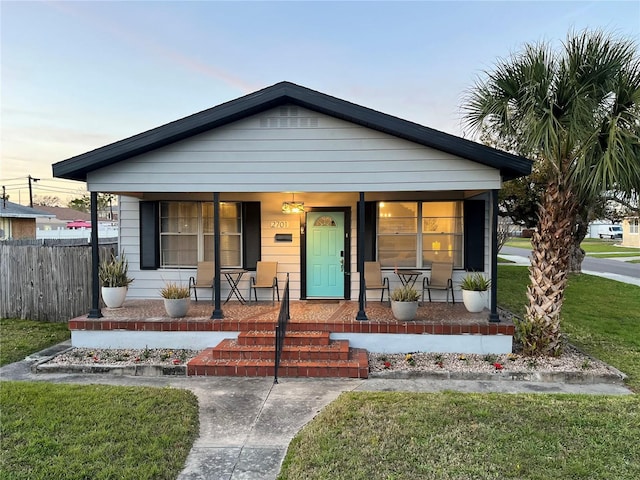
x: 293, y: 206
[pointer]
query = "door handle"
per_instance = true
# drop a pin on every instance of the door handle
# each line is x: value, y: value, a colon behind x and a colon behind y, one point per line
x: 342, y: 264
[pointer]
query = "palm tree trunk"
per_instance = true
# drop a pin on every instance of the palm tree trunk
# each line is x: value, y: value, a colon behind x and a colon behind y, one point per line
x: 577, y: 254
x: 548, y: 271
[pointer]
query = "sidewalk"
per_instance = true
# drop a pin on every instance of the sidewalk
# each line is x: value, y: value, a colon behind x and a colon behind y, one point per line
x: 524, y: 261
x: 246, y: 424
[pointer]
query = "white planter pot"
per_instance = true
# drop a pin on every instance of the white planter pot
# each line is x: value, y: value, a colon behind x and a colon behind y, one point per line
x: 474, y: 301
x: 113, y: 297
x: 404, y: 311
x: 177, y: 307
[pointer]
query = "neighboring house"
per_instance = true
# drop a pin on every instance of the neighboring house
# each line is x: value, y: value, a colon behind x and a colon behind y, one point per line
x: 371, y: 187
x: 631, y: 232
x: 60, y: 216
x: 18, y: 222
x: 67, y: 223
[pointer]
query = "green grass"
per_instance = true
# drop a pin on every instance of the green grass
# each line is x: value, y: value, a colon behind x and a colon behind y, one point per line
x: 504, y: 260
x: 615, y: 255
x: 19, y: 338
x: 493, y: 436
x: 595, y: 245
x: 92, y: 431
x: 589, y: 245
x: 519, y: 243
x: 599, y: 315
x: 633, y: 261
x: 469, y: 436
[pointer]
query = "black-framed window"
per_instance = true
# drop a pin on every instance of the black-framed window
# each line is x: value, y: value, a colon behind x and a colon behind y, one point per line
x: 187, y: 236
x: 414, y: 234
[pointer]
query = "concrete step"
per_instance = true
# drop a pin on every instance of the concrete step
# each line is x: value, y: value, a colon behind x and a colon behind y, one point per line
x: 266, y: 337
x: 230, y: 349
x: 355, y: 366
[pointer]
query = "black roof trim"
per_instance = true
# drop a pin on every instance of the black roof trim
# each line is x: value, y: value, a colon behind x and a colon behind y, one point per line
x: 76, y: 168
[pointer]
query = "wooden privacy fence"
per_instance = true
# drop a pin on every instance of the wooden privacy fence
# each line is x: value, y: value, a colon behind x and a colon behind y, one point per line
x: 46, y: 280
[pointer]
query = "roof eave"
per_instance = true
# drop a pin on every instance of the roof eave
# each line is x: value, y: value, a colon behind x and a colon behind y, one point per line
x: 77, y: 168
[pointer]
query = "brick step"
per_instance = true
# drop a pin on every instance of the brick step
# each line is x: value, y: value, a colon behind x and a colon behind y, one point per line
x: 357, y: 366
x: 262, y: 337
x: 230, y: 349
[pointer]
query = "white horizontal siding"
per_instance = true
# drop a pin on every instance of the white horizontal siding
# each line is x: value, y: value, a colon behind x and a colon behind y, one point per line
x: 248, y: 157
x: 148, y: 282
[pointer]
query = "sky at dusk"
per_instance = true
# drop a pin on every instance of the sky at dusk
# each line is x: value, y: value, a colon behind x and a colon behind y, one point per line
x: 79, y: 75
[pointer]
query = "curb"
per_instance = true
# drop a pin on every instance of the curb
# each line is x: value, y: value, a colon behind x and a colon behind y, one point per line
x: 117, y: 370
x: 181, y: 370
x: 616, y: 377
x: 41, y: 358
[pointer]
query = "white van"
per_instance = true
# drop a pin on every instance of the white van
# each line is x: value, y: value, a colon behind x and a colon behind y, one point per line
x: 610, y: 231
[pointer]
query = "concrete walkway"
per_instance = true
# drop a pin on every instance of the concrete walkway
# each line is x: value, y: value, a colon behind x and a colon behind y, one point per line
x: 246, y: 424
x: 524, y: 261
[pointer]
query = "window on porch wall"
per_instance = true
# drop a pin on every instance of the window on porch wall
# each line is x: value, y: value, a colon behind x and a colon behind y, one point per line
x: 414, y: 234
x: 186, y: 234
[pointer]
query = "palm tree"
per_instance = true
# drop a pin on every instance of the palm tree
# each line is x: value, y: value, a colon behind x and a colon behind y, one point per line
x: 577, y: 112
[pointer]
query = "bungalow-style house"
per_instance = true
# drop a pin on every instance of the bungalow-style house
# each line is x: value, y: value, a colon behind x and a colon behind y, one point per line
x: 294, y: 176
x: 18, y: 222
x: 631, y: 231
x: 59, y: 217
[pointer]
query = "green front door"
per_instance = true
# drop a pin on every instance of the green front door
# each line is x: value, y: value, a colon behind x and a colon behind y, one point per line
x: 325, y: 254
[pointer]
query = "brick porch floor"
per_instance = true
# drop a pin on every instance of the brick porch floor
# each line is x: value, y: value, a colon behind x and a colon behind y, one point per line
x: 432, y: 318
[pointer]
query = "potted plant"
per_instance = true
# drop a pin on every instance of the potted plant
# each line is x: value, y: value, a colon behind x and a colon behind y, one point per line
x: 113, y: 275
x: 177, y: 299
x: 404, y: 303
x: 474, y: 291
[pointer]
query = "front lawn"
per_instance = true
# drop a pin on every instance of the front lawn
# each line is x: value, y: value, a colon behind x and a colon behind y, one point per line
x: 595, y: 245
x: 589, y: 245
x: 600, y: 316
x: 19, y: 338
x: 469, y: 436
x: 519, y: 242
x: 615, y: 255
x: 494, y: 436
x: 94, y: 431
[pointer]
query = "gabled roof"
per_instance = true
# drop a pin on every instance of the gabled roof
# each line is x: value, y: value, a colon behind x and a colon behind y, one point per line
x: 77, y: 168
x: 66, y: 214
x: 15, y: 210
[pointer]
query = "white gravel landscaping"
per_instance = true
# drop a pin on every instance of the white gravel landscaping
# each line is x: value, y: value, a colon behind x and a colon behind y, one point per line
x: 123, y: 357
x: 571, y: 361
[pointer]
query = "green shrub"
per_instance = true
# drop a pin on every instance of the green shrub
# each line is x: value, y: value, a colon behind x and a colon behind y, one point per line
x: 114, y: 272
x: 174, y: 290
x: 476, y: 282
x: 405, y: 294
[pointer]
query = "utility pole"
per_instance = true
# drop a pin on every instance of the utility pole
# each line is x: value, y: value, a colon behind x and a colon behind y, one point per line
x: 4, y: 197
x: 31, y: 179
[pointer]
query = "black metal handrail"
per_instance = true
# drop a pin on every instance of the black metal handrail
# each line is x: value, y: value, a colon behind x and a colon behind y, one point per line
x: 281, y: 328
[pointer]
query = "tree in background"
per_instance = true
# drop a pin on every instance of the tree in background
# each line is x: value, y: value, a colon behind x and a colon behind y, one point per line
x: 46, y: 201
x: 83, y: 203
x: 577, y: 113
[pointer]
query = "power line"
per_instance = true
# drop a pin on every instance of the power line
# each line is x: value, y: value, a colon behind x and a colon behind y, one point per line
x: 48, y: 179
x: 38, y: 188
x: 9, y: 179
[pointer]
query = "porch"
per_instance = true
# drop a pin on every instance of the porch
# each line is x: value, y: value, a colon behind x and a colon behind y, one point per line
x: 439, y: 327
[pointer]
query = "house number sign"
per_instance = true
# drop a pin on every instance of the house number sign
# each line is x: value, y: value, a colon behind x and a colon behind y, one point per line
x: 278, y: 224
